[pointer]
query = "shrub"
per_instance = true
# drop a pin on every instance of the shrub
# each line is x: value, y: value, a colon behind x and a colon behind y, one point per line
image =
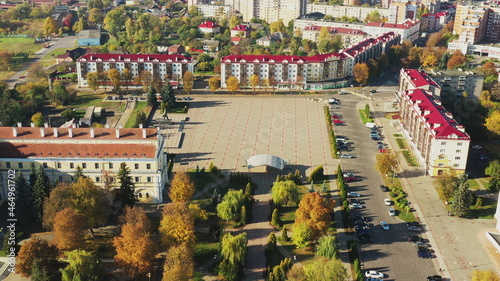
x: 317, y: 174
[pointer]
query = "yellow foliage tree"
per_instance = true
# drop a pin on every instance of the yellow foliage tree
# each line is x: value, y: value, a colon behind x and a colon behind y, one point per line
x: 69, y: 230
x: 232, y: 83
x: 115, y: 77
x: 181, y: 188
x: 37, y: 118
x: 197, y: 213
x: 135, y: 248
x: 493, y: 122
x: 35, y: 249
x: 488, y: 275
x: 214, y: 83
x: 177, y: 225
x: 188, y: 81
x: 254, y: 81
x: 361, y: 73
x: 179, y: 263
x: 314, y: 211
x: 386, y: 162
x: 50, y: 26
x: 429, y: 59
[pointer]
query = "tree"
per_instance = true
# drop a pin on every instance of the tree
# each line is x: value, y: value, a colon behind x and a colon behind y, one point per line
x: 214, y: 83
x: 301, y: 235
x: 168, y: 95
x: 103, y: 78
x: 69, y: 230
x: 315, y: 212
x: 116, y: 78
x: 151, y: 97
x: 232, y: 83
x: 284, y: 192
x: 234, y: 21
x: 317, y: 174
x: 5, y: 59
x: 95, y: 15
x: 181, y: 188
x: 456, y: 60
x: 127, y: 77
x: 33, y: 250
x: 230, y: 206
x: 38, y: 272
x: 284, y: 235
x: 361, y: 73
x: 254, y: 81
x: 115, y: 20
x: 127, y: 187
x: 493, y: 122
x: 386, y: 162
x: 82, y: 265
x: 38, y: 119
x: 24, y: 201
x: 485, y: 275
x: 275, y: 219
x: 41, y: 190
x: 462, y: 199
x: 135, y: 247
x: 177, y: 225
x: 68, y: 114
x: 296, y: 273
x: 327, y: 247
x: 373, y: 17
x: 59, y: 199
x: 493, y: 170
x: 429, y: 58
x: 50, y: 26
x: 78, y: 173
x: 188, y: 81
x: 179, y: 263
x: 93, y: 80
x: 277, y: 26
x: 446, y: 184
x: 322, y: 268
x: 145, y: 78
x: 234, y: 248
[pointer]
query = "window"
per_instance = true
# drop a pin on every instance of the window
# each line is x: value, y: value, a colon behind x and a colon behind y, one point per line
x: 71, y: 165
x: 148, y: 166
x: 455, y: 165
x: 45, y: 165
x: 136, y: 166
x: 457, y: 158
x: 111, y: 165
x: 458, y: 150
x: 140, y: 195
x: 443, y: 143
x: 149, y: 179
x: 440, y: 165
x: 84, y: 165
x: 137, y: 179
x: 442, y: 150
x: 20, y: 165
x: 459, y: 143
x: 96, y: 165
x: 147, y: 195
x: 60, y: 178
x: 441, y: 157
x: 7, y: 164
x: 59, y: 165
x: 97, y: 179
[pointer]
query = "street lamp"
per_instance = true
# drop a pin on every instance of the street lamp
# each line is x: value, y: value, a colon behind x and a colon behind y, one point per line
x: 149, y: 276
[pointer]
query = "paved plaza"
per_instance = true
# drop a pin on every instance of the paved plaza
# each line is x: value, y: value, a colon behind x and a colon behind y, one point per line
x: 227, y: 130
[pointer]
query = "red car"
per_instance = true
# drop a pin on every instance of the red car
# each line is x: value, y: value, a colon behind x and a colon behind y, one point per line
x: 350, y: 179
x: 336, y: 116
x: 336, y: 121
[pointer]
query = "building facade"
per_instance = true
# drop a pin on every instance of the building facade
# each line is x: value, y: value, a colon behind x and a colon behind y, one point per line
x: 338, y: 11
x: 470, y: 23
x: 454, y: 83
x: 216, y: 11
x: 269, y: 10
x: 98, y: 151
x: 349, y: 36
x: 409, y: 29
x: 165, y: 66
x: 410, y: 79
x: 209, y: 27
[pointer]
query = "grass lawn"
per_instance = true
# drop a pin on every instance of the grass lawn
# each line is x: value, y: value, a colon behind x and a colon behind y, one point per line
x: 3, y: 253
x: 140, y: 106
x: 400, y: 212
x: 363, y: 116
x: 15, y: 45
x: 485, y: 211
x: 85, y: 99
x: 180, y: 107
x: 201, y: 180
x: 205, y: 249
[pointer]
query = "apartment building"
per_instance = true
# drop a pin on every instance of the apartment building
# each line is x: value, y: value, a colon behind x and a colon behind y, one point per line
x: 338, y: 11
x: 269, y: 10
x: 441, y: 144
x: 417, y: 79
x: 454, y: 83
x: 165, y: 66
x: 209, y: 27
x: 401, y: 11
x: 98, y: 151
x: 241, y: 30
x: 470, y: 23
x: 216, y: 11
x: 305, y: 72
x: 434, y: 22
x: 349, y: 36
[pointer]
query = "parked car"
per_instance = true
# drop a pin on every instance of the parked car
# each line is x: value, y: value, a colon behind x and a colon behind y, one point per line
x: 384, y: 225
x: 476, y: 146
x: 374, y: 274
x: 350, y: 179
x: 387, y: 201
x: 414, y: 228
x: 352, y: 200
x: 391, y: 211
x: 364, y: 238
x: 424, y: 254
x: 337, y: 121
x: 361, y: 218
x: 336, y: 116
x: 420, y: 244
x: 356, y: 206
x: 376, y: 138
x: 373, y: 91
x: 434, y: 278
x: 187, y: 98
x: 343, y: 92
x: 373, y: 135
x: 384, y: 188
x: 348, y: 156
x: 414, y: 238
x: 353, y: 194
x: 413, y: 223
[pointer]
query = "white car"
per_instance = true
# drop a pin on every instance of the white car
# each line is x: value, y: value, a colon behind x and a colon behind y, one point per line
x: 348, y: 156
x: 374, y: 274
x: 392, y: 212
x: 356, y: 206
x: 353, y: 194
x: 346, y: 175
x: 477, y: 146
x: 388, y: 201
x: 384, y: 225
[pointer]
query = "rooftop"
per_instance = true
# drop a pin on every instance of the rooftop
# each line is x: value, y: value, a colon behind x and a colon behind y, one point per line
x: 419, y: 78
x: 29, y: 133
x: 241, y: 27
x: 208, y: 24
x: 405, y: 25
x: 134, y: 57
x: 89, y: 33
x: 336, y: 30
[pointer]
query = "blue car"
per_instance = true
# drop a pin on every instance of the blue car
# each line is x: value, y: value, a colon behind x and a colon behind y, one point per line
x: 424, y: 254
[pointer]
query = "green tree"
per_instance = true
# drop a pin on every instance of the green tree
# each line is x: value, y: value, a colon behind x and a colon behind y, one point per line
x: 50, y: 26
x: 234, y: 248
x: 373, y: 17
x: 230, y: 206
x: 327, y: 247
x: 277, y: 26
x: 68, y: 114
x: 284, y: 234
x: 275, y: 219
x: 127, y: 186
x: 151, y: 96
x: 446, y: 184
x: 317, y: 174
x: 115, y: 20
x: 38, y: 119
x: 41, y: 190
x: 493, y: 170
x: 284, y: 192
x: 78, y: 173
x: 462, y: 199
x: 322, y: 268
x: 82, y: 265
x: 39, y: 272
x: 24, y: 201
x: 188, y: 81
x: 234, y: 21
x: 301, y: 235
x: 168, y: 95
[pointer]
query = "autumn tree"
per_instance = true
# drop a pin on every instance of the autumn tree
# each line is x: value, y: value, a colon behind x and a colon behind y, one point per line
x: 493, y: 122
x: 485, y: 275
x: 177, y: 225
x: 373, y: 17
x: 284, y: 192
x: 254, y: 81
x: 361, y: 73
x: 156, y: 83
x: 232, y: 83
x: 59, y: 199
x: 127, y: 77
x: 33, y: 250
x: 82, y: 265
x: 456, y: 60
x: 214, y: 83
x: 429, y: 58
x: 93, y: 80
x: 315, y: 212
x: 230, y: 207
x: 145, y: 78
x: 38, y: 119
x: 135, y: 247
x: 277, y: 26
x: 127, y: 186
x: 188, y: 81
x: 5, y: 59
x: 69, y: 230
x: 386, y: 162
x: 179, y: 263
x: 116, y: 78
x: 181, y: 188
x: 322, y: 268
x: 446, y: 185
x: 50, y: 26
x: 435, y: 39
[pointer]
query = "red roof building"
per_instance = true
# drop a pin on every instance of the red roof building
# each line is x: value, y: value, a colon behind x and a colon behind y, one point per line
x: 241, y: 30
x: 209, y: 27
x: 410, y: 79
x: 349, y: 36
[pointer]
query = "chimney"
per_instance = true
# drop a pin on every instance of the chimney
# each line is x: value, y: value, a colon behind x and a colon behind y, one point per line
x: 70, y: 132
x: 92, y: 132
x: 42, y: 132
x: 144, y: 134
x: 461, y: 128
x: 14, y: 131
x: 46, y: 125
x: 55, y: 133
x: 141, y: 126
x: 19, y: 124
x: 32, y: 125
x: 118, y: 133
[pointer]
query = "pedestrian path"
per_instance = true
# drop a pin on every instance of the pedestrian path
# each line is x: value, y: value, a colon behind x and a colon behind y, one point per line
x: 126, y: 114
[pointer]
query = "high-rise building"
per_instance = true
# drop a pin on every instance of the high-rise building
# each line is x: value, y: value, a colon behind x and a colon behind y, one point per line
x: 470, y: 23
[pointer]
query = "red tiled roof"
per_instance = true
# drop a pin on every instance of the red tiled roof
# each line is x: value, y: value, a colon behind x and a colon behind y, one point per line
x: 78, y: 133
x: 279, y: 58
x: 236, y: 39
x: 89, y: 150
x: 336, y: 30
x: 134, y: 57
x: 438, y: 121
x: 209, y: 24
x: 405, y: 25
x: 419, y: 78
x: 241, y: 27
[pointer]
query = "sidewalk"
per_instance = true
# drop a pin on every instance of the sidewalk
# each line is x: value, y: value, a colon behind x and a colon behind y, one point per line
x: 125, y: 115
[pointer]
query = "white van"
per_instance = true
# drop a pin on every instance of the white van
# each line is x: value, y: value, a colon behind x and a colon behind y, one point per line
x: 370, y: 125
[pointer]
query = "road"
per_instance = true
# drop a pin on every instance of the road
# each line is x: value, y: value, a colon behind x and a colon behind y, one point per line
x: 390, y: 252
x: 57, y: 43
